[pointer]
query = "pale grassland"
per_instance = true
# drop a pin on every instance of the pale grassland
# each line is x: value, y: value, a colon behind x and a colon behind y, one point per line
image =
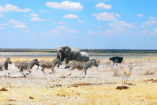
x: 140, y: 94
x: 14, y: 59
x: 42, y: 91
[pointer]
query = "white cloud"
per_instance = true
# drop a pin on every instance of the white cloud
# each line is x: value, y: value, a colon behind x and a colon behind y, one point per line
x: 149, y: 23
x: 103, y: 6
x: 43, y: 11
x: 104, y: 16
x: 121, y: 24
x: 80, y: 21
x: 70, y: 16
x: 140, y: 15
x: 35, y: 18
x: 115, y: 28
x: 1, y: 15
x: 154, y: 31
x: 119, y: 27
x: 4, y: 24
x: 66, y: 5
x: 12, y: 8
x: 152, y: 18
x: 1, y: 28
x: 59, y: 23
x: 18, y: 24
x: 60, y: 30
x: 33, y: 14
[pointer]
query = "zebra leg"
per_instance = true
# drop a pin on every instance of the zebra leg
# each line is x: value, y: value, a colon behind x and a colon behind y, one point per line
x: 37, y: 68
x: 70, y: 71
x: 43, y: 70
x: 52, y: 69
x: 21, y: 71
x: 81, y: 73
x: 85, y: 72
x: 29, y: 72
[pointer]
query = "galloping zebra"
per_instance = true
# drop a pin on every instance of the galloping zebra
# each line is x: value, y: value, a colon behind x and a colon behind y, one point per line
x: 50, y: 65
x: 26, y: 66
x: 83, y: 66
x: 5, y: 64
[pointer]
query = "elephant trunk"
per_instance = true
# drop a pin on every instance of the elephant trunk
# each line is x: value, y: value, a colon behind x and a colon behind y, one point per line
x: 60, y: 56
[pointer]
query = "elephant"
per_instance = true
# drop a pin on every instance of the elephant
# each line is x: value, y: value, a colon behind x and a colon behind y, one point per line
x: 66, y: 53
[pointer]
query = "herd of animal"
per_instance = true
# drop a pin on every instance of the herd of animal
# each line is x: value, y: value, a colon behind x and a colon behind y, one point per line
x: 74, y: 59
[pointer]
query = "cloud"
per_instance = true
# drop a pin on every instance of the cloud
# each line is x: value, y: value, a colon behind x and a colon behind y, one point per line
x: 1, y: 28
x: 119, y: 27
x: 154, y: 31
x: 70, y: 16
x: 35, y: 18
x: 12, y: 8
x: 115, y: 28
x: 80, y: 21
x: 59, y: 23
x: 18, y: 24
x: 66, y: 5
x: 104, y: 16
x: 149, y: 23
x: 1, y: 15
x: 121, y: 24
x: 140, y: 15
x: 103, y: 6
x: 60, y: 30
x: 43, y: 11
x: 34, y: 15
x: 152, y: 18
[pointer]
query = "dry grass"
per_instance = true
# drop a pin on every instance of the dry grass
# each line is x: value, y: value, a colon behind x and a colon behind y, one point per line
x: 148, y: 73
x: 122, y: 87
x: 81, y: 84
x: 56, y: 92
x: 15, y: 59
x: 142, y: 93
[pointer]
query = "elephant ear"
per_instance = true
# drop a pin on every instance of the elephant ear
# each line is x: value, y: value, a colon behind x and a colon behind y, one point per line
x: 67, y: 51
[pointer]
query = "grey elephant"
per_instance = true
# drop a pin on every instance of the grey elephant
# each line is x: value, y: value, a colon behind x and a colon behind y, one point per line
x: 66, y: 53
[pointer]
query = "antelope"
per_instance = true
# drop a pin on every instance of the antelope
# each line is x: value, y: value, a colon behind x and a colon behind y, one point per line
x: 127, y: 74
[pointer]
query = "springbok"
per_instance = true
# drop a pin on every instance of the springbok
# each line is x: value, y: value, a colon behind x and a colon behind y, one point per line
x: 127, y: 74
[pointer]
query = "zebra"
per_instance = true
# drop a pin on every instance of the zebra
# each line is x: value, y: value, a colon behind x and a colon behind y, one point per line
x: 83, y: 66
x: 5, y: 64
x: 26, y: 66
x: 50, y: 65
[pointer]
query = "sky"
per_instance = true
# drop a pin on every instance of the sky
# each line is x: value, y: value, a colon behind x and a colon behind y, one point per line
x: 85, y: 24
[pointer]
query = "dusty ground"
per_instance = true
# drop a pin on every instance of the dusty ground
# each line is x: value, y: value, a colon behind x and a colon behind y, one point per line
x: 98, y: 88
